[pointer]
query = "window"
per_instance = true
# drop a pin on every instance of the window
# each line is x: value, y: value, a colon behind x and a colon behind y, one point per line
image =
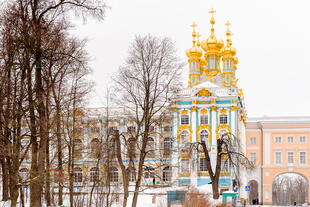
x: 278, y: 140
x: 149, y: 172
x: 278, y: 157
x: 112, y: 129
x: 132, y: 174
x: 113, y: 174
x: 184, y: 119
x: 227, y: 64
x: 302, y: 157
x: 95, y: 147
x: 184, y: 139
x: 203, y: 164
x: 77, y: 144
x: 212, y: 62
x: 253, y: 158
x: 167, y: 174
x: 95, y: 130
x: 167, y: 146
x: 204, y: 136
x: 131, y: 147
x: 290, y: 140
x: 24, y: 144
x: 94, y: 174
x: 302, y: 139
x: 167, y: 129
x: 224, y: 165
x: 223, y: 119
x: 150, y: 145
x: 253, y: 140
x: 266, y: 194
x: 78, y: 174
x: 290, y: 157
x: 112, y: 144
x: 203, y: 119
x: 24, y: 174
x: 131, y: 129
x: 185, y: 165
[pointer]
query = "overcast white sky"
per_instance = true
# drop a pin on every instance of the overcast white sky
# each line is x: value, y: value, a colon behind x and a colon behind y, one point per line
x: 271, y: 37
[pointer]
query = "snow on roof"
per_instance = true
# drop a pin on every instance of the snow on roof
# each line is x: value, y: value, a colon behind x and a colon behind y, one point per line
x: 206, y: 84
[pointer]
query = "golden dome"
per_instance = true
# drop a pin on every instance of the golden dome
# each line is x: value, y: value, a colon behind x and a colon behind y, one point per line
x: 194, y: 51
x: 212, y: 43
x: 228, y: 50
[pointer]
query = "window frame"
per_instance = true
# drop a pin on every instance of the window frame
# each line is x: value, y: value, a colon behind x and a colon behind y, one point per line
x: 290, y: 155
x: 204, y: 119
x: 253, y: 155
x: 223, y: 119
x: 280, y: 158
x: 278, y: 139
x: 252, y: 140
x: 305, y: 158
x: 184, y: 119
x: 185, y: 166
x: 302, y: 141
x: 203, y: 165
x: 290, y: 140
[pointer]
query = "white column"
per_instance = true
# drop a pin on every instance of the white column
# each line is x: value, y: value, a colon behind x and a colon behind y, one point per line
x: 175, y: 153
x: 193, y: 124
x: 213, y: 146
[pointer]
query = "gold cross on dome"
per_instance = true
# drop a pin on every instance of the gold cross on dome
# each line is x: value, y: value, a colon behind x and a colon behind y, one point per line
x: 227, y: 24
x: 212, y: 11
x: 198, y: 35
x: 194, y: 25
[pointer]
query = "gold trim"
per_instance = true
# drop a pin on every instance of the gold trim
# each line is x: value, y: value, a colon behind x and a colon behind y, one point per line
x: 194, y: 108
x: 203, y: 111
x: 213, y: 108
x: 223, y: 111
x: 184, y: 112
x: 203, y: 92
x: 233, y: 108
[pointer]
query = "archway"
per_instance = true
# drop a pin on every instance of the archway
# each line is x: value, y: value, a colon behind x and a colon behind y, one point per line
x: 253, y: 194
x: 289, y: 189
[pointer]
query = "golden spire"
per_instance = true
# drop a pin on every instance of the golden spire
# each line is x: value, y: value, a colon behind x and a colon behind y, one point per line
x: 194, y: 33
x: 198, y: 42
x: 212, y: 21
x: 228, y: 34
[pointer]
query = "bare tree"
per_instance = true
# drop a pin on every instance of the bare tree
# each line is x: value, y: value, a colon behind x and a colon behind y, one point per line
x: 146, y: 82
x: 227, y: 145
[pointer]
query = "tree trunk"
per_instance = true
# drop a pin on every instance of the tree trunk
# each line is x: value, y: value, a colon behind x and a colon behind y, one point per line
x: 5, y: 179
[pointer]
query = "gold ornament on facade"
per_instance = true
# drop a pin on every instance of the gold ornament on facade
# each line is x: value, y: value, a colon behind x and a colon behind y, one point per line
x: 184, y: 112
x: 213, y: 101
x: 223, y: 111
x: 175, y: 109
x: 203, y: 93
x: 233, y: 108
x: 194, y: 101
x: 194, y: 108
x: 213, y: 108
x: 203, y: 111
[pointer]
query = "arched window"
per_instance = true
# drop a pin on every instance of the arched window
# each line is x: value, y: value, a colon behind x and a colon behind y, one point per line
x: 204, y: 119
x: 204, y: 136
x: 24, y: 174
x: 95, y: 147
x: 212, y: 62
x: 78, y: 145
x: 78, y: 175
x: 113, y: 174
x: 94, y: 174
x: 167, y: 146
x: 184, y: 119
x: 112, y: 145
x: 150, y: 145
x: 167, y: 174
x: 223, y: 119
x: 184, y: 139
x: 149, y: 172
x: 132, y: 174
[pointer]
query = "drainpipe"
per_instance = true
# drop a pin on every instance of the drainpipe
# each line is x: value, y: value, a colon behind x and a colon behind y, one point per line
x: 260, y: 126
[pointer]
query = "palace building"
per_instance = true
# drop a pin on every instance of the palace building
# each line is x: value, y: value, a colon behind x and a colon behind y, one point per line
x: 211, y: 105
